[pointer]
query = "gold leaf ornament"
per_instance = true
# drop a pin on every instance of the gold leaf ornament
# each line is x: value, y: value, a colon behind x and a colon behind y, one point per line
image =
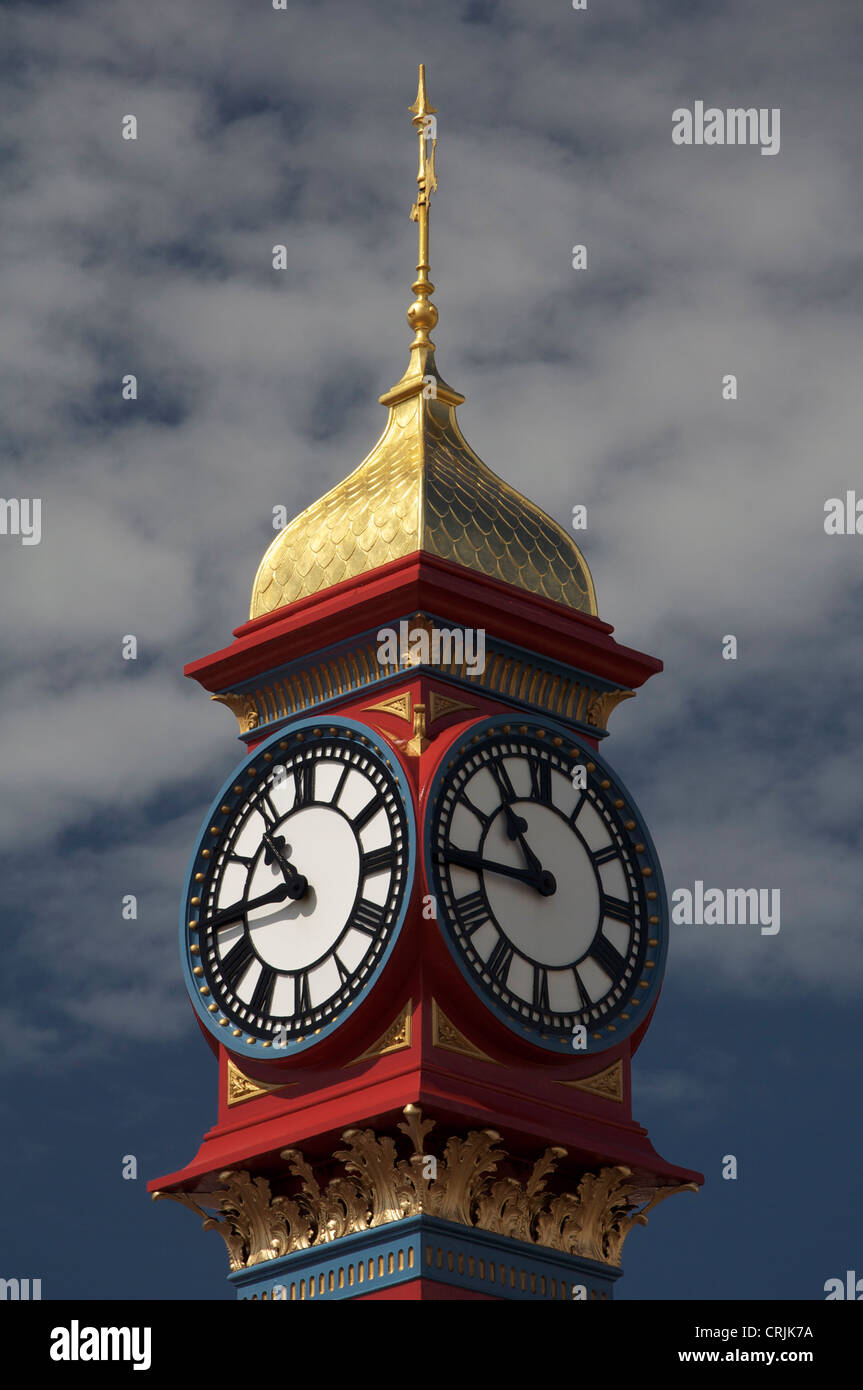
x: 378, y: 1188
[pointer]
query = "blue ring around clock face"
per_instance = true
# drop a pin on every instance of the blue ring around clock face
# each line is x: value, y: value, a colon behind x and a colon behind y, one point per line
x: 298, y: 887
x: 549, y: 893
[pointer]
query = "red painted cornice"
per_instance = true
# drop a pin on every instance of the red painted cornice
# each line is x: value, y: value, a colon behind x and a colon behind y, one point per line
x: 423, y: 582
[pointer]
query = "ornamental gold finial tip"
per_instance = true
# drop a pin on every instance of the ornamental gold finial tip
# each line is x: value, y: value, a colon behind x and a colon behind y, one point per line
x: 422, y: 106
x: 422, y: 314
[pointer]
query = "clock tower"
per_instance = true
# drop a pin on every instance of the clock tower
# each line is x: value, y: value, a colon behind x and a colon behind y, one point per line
x: 424, y: 926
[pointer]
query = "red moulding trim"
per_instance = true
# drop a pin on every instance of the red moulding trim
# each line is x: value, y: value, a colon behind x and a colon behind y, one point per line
x: 422, y: 581
x: 446, y: 1098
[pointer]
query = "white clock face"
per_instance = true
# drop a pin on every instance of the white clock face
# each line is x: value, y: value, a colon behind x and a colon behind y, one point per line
x: 302, y: 887
x: 548, y: 887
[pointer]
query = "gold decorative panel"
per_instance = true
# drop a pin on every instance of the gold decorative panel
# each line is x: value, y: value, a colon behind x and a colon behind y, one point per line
x: 442, y: 705
x: 446, y: 1036
x: 399, y: 707
x: 242, y: 1087
x: 607, y: 1083
x: 396, y: 1038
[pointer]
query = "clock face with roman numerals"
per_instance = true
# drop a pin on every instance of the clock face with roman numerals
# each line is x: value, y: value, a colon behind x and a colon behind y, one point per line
x: 548, y: 889
x: 298, y: 887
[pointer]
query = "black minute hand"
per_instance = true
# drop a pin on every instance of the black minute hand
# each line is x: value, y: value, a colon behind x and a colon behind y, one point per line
x: 538, y: 877
x: 239, y: 910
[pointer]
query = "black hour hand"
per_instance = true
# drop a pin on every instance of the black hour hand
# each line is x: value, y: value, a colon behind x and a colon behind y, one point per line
x: 515, y: 825
x: 296, y: 884
x: 275, y: 844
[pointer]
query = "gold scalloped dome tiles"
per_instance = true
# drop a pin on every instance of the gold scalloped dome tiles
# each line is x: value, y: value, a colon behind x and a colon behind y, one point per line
x: 422, y: 488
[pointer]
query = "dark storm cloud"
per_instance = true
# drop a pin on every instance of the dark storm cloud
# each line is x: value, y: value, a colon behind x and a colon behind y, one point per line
x: 599, y: 387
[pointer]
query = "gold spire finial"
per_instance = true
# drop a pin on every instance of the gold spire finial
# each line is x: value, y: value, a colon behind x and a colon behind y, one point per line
x: 422, y: 315
x: 422, y: 489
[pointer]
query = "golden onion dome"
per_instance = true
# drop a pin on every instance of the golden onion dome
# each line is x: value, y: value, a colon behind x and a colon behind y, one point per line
x: 422, y: 487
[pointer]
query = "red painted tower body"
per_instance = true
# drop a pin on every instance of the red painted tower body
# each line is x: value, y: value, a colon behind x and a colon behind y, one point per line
x: 424, y: 929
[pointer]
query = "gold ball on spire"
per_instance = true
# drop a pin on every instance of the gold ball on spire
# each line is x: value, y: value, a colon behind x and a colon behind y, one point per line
x: 422, y: 315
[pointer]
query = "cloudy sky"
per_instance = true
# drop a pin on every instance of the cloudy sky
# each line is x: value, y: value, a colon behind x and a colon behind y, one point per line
x: 601, y: 387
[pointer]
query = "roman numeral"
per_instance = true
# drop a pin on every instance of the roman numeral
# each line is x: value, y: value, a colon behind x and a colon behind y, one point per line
x: 302, y: 994
x: 475, y: 811
x: 582, y: 797
x: 241, y: 859
x: 540, y: 988
x: 583, y: 999
x: 540, y: 779
x: 473, y: 911
x: 467, y: 858
x: 262, y: 997
x: 617, y: 908
x: 304, y: 785
x: 499, y: 961
x: 368, y: 917
x: 344, y: 973
x: 606, y: 957
x: 235, y: 964
x: 364, y: 816
x: 501, y: 777
x: 604, y: 856
x: 341, y: 783
x: 376, y: 861
x: 269, y: 811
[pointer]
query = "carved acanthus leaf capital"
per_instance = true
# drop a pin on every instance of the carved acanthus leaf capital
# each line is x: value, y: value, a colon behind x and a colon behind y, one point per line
x: 473, y: 1182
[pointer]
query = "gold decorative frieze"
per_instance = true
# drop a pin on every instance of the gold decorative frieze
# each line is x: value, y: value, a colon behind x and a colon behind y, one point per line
x: 446, y: 1036
x: 241, y: 1087
x: 607, y: 1083
x: 295, y: 692
x: 476, y: 1183
x: 358, y: 669
x: 396, y: 1038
